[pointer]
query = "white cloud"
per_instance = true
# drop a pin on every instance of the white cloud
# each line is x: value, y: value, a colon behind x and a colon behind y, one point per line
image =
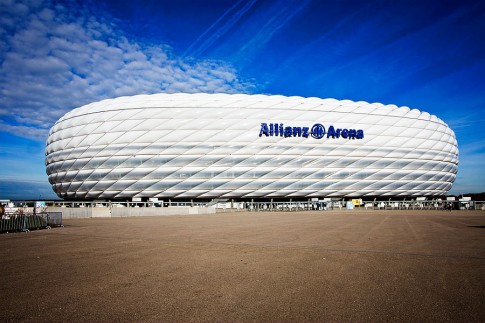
x: 54, y: 58
x: 34, y: 132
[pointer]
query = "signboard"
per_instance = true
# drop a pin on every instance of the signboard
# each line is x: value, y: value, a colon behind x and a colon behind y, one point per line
x: 317, y: 131
x: 357, y: 202
x: 39, y: 204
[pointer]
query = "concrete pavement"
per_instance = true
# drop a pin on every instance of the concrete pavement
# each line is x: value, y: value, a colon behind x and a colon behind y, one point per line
x: 334, y: 266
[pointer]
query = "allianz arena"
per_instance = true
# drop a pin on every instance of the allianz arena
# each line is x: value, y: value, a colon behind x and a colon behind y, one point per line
x: 208, y: 146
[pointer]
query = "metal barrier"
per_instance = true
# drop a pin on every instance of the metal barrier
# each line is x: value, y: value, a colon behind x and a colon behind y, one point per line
x: 12, y: 223
x: 27, y: 222
x: 366, y: 205
x: 54, y: 219
x: 226, y: 205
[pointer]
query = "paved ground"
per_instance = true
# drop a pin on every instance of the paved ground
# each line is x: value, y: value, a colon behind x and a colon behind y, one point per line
x: 367, y: 266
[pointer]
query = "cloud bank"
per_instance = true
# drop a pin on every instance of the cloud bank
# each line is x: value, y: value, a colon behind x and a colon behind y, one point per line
x: 56, y: 57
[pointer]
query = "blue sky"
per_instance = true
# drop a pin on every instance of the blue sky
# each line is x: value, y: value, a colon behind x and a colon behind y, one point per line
x: 55, y: 56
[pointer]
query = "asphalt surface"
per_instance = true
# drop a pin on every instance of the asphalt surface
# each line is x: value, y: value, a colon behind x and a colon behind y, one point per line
x: 334, y: 266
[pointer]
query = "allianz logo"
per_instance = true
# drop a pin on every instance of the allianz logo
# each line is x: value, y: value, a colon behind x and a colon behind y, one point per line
x: 317, y: 131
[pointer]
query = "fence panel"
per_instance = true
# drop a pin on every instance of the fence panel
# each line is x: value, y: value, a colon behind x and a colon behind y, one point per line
x: 35, y: 221
x: 23, y: 222
x: 12, y: 223
x: 54, y: 219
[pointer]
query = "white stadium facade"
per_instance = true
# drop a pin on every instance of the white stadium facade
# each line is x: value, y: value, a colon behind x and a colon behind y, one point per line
x: 222, y: 146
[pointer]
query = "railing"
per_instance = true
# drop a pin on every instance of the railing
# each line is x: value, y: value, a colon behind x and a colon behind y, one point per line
x: 369, y: 205
x: 14, y: 222
x: 112, y: 204
x: 424, y: 205
x: 269, y: 206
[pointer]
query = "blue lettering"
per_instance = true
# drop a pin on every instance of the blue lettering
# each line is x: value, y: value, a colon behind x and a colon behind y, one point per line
x: 264, y: 130
x: 360, y: 134
x: 305, y: 132
x: 317, y: 131
x: 352, y: 133
x: 288, y: 132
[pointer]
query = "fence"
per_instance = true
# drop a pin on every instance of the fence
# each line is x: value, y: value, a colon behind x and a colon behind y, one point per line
x: 369, y: 205
x: 88, y: 209
x: 27, y: 222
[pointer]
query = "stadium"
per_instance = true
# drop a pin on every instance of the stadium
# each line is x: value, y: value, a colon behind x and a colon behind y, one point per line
x: 221, y: 146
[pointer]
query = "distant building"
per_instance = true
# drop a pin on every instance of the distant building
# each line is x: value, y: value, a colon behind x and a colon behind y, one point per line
x: 205, y: 146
